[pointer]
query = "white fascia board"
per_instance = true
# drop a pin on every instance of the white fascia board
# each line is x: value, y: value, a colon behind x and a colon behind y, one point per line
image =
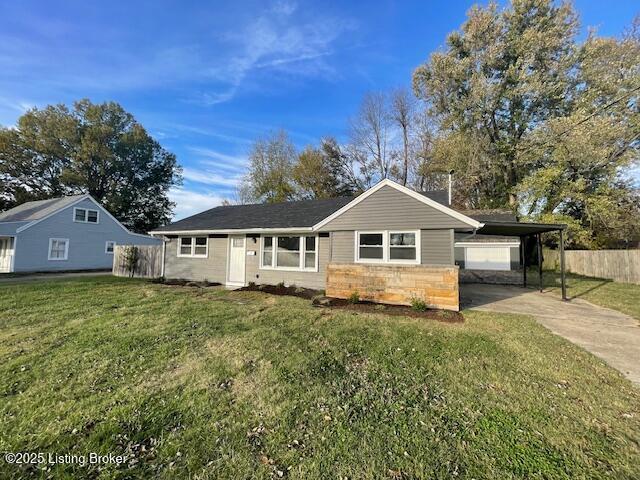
x: 421, y: 198
x: 487, y: 244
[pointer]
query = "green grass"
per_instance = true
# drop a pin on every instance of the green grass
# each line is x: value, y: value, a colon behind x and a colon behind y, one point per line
x: 624, y: 297
x: 206, y: 383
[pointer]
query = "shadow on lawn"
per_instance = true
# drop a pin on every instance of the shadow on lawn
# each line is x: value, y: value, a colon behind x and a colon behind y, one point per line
x: 551, y: 279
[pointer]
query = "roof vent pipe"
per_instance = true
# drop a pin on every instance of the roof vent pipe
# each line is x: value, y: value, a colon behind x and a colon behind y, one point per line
x: 450, y: 185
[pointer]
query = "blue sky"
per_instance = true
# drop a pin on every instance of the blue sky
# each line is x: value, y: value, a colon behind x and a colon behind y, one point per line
x: 207, y: 78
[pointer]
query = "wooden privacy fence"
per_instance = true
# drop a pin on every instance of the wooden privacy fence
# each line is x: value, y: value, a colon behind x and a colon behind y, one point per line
x: 618, y: 265
x: 146, y: 258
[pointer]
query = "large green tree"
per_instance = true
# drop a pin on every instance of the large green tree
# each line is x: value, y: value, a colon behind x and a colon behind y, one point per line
x: 532, y: 120
x: 502, y: 74
x: 277, y: 172
x: 98, y: 149
x: 581, y: 163
x: 322, y: 172
x: 270, y: 175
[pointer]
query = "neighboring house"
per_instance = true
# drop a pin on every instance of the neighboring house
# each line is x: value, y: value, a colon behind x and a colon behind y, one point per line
x: 67, y: 233
x: 298, y: 242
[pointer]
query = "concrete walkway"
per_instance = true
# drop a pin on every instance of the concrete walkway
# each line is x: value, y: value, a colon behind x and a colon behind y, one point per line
x: 30, y: 277
x: 609, y: 334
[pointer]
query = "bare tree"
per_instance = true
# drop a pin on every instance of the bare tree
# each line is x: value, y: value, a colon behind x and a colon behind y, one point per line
x: 402, y: 112
x: 370, y: 131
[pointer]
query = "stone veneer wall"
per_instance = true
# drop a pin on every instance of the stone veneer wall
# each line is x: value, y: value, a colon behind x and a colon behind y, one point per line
x: 437, y: 285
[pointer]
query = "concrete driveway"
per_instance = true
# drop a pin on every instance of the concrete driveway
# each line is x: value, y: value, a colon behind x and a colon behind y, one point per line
x: 611, y: 335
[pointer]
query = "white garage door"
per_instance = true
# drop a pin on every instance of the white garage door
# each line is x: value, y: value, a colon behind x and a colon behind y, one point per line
x: 487, y: 258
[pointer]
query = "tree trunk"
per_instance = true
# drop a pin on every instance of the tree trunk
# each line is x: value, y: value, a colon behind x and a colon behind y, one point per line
x: 405, y: 140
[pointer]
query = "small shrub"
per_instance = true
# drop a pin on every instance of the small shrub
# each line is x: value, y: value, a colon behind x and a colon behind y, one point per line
x: 419, y: 305
x: 280, y: 285
x: 354, y: 297
x: 131, y: 257
x: 252, y: 284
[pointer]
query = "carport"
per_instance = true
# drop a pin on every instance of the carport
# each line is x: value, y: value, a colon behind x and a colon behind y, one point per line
x: 529, y: 232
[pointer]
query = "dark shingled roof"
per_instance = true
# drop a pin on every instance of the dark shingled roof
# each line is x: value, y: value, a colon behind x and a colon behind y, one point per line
x: 304, y: 213
x: 440, y: 196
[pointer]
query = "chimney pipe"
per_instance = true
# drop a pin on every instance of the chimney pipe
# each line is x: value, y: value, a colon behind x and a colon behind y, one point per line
x: 450, y: 185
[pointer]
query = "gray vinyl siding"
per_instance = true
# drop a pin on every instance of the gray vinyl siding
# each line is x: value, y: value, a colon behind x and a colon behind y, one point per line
x: 389, y: 209
x: 86, y: 241
x: 342, y: 247
x: 316, y: 280
x: 436, y: 246
x: 213, y: 268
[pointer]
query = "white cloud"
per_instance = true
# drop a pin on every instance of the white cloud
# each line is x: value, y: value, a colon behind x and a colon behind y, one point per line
x: 207, y: 66
x: 275, y: 41
x: 208, y: 177
x: 215, y: 155
x: 284, y: 8
x: 189, y: 202
x: 216, y: 168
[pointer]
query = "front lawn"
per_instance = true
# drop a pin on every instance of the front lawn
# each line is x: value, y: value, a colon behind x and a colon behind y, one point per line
x: 208, y: 383
x: 624, y: 297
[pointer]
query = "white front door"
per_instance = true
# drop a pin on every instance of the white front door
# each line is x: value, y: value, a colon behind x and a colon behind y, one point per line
x: 6, y: 254
x: 235, y: 275
x: 487, y: 258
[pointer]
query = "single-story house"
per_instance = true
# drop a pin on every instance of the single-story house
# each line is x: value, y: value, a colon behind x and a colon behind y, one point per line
x: 66, y: 233
x: 389, y: 244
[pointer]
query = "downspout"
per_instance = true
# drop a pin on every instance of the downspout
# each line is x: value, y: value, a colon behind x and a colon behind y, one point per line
x: 12, y: 265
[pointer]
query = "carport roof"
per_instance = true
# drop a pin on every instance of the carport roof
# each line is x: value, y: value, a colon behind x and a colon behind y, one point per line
x: 518, y: 229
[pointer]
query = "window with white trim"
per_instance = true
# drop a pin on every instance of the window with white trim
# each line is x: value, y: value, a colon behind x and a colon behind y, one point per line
x: 310, y: 252
x: 85, y: 215
x: 289, y: 252
x: 371, y: 246
x: 109, y: 246
x: 267, y: 252
x: 402, y: 246
x: 388, y: 246
x: 58, y: 249
x: 193, y: 247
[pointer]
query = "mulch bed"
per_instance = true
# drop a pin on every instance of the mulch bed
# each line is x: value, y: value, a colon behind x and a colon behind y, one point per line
x: 292, y: 291
x: 397, y: 310
x: 360, y: 307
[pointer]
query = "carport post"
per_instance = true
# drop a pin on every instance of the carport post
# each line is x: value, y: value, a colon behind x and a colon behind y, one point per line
x: 562, y: 279
x: 539, y: 261
x: 523, y: 246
